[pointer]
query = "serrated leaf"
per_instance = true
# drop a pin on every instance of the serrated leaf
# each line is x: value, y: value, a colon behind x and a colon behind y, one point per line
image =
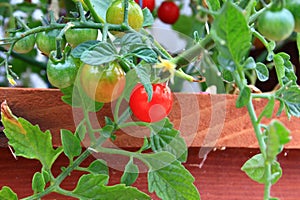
x: 279, y: 66
x: 98, y: 167
x: 255, y: 169
x: 291, y: 99
x: 276, y: 136
x: 146, y: 54
x: 70, y: 143
x: 289, y: 72
x: 103, y: 53
x: 78, y: 50
x: 7, y: 194
x: 165, y: 138
x: 38, y: 182
x: 262, y: 72
x: 130, y: 173
x: 268, y: 109
x: 93, y: 187
x: 28, y: 140
x: 168, y: 178
x: 244, y: 97
x: 148, y: 17
x: 231, y: 33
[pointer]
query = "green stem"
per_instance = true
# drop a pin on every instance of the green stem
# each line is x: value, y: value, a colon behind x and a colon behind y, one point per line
x: 125, y: 22
x: 128, y: 124
x: 81, y: 12
x: 268, y: 183
x: 94, y: 13
x: 59, y: 39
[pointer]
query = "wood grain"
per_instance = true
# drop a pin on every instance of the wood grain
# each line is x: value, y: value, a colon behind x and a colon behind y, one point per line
x: 219, y: 178
x: 204, y: 120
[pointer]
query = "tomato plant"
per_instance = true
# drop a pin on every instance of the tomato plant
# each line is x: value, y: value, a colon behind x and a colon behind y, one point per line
x: 61, y: 72
x: 294, y: 6
x: 158, y: 108
x: 46, y: 41
x: 103, y: 83
x: 168, y: 12
x: 115, y: 14
x: 77, y: 36
x: 150, y: 4
x: 276, y: 25
x: 25, y: 44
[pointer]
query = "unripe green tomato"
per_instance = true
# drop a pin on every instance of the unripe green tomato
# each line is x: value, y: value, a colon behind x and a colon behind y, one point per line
x: 294, y: 7
x: 61, y: 73
x: 276, y: 25
x: 77, y: 36
x: 25, y: 44
x: 46, y: 41
x: 115, y: 14
x: 103, y: 83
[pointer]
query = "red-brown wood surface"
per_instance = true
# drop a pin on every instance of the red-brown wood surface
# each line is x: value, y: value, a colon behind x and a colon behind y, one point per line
x: 219, y: 178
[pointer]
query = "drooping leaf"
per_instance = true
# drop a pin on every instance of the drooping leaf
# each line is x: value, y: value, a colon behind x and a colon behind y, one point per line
x: 70, y: 143
x: 103, y: 53
x: 262, y: 72
x: 143, y: 71
x: 164, y: 137
x: 276, y: 136
x: 244, y: 97
x: 98, y: 167
x: 146, y: 54
x: 94, y: 187
x: 255, y: 169
x: 284, y: 69
x: 7, y: 194
x: 38, y: 182
x: 28, y: 140
x: 290, y: 97
x: 148, y: 17
x: 168, y: 178
x: 231, y: 33
x: 130, y: 173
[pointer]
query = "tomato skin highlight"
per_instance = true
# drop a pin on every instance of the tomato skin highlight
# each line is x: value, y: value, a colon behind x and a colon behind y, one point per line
x: 103, y: 83
x: 294, y: 7
x: 276, y: 25
x: 168, y: 12
x: 25, y: 44
x: 46, y: 41
x: 115, y: 14
x: 150, y: 4
x: 77, y: 36
x: 157, y: 109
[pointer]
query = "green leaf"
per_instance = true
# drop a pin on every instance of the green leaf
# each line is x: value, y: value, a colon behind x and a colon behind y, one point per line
x: 81, y: 130
x: 28, y: 140
x: 262, y: 72
x: 277, y: 136
x: 103, y: 53
x: 146, y: 54
x: 244, y: 97
x: 130, y: 174
x: 148, y: 17
x: 298, y: 43
x: 143, y: 71
x: 93, y: 187
x: 77, y: 51
x: 131, y: 81
x: 168, y: 178
x: 98, y: 167
x: 279, y: 66
x: 101, y: 7
x: 7, y: 194
x: 268, y: 110
x: 250, y: 63
x: 231, y: 33
x: 70, y: 143
x: 213, y: 4
x: 164, y: 137
x: 227, y: 76
x: 187, y: 25
x: 290, y: 96
x: 255, y: 169
x: 38, y: 182
x: 284, y: 69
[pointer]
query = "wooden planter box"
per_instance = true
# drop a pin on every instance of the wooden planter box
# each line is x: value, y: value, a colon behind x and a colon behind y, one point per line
x: 212, y: 123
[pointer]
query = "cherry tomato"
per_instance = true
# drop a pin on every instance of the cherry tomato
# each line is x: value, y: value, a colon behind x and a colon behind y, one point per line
x: 168, y: 12
x: 46, y: 41
x: 276, y: 25
x: 103, y: 83
x: 115, y: 14
x: 150, y: 4
x: 25, y: 44
x: 294, y: 7
x: 77, y: 36
x: 155, y: 110
x: 62, y: 72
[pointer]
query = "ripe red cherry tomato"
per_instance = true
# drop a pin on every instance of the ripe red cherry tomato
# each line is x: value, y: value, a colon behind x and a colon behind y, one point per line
x: 150, y: 4
x: 155, y: 110
x: 168, y: 12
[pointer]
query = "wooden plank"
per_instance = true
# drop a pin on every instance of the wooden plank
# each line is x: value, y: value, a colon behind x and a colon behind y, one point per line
x: 219, y: 178
x: 204, y: 120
